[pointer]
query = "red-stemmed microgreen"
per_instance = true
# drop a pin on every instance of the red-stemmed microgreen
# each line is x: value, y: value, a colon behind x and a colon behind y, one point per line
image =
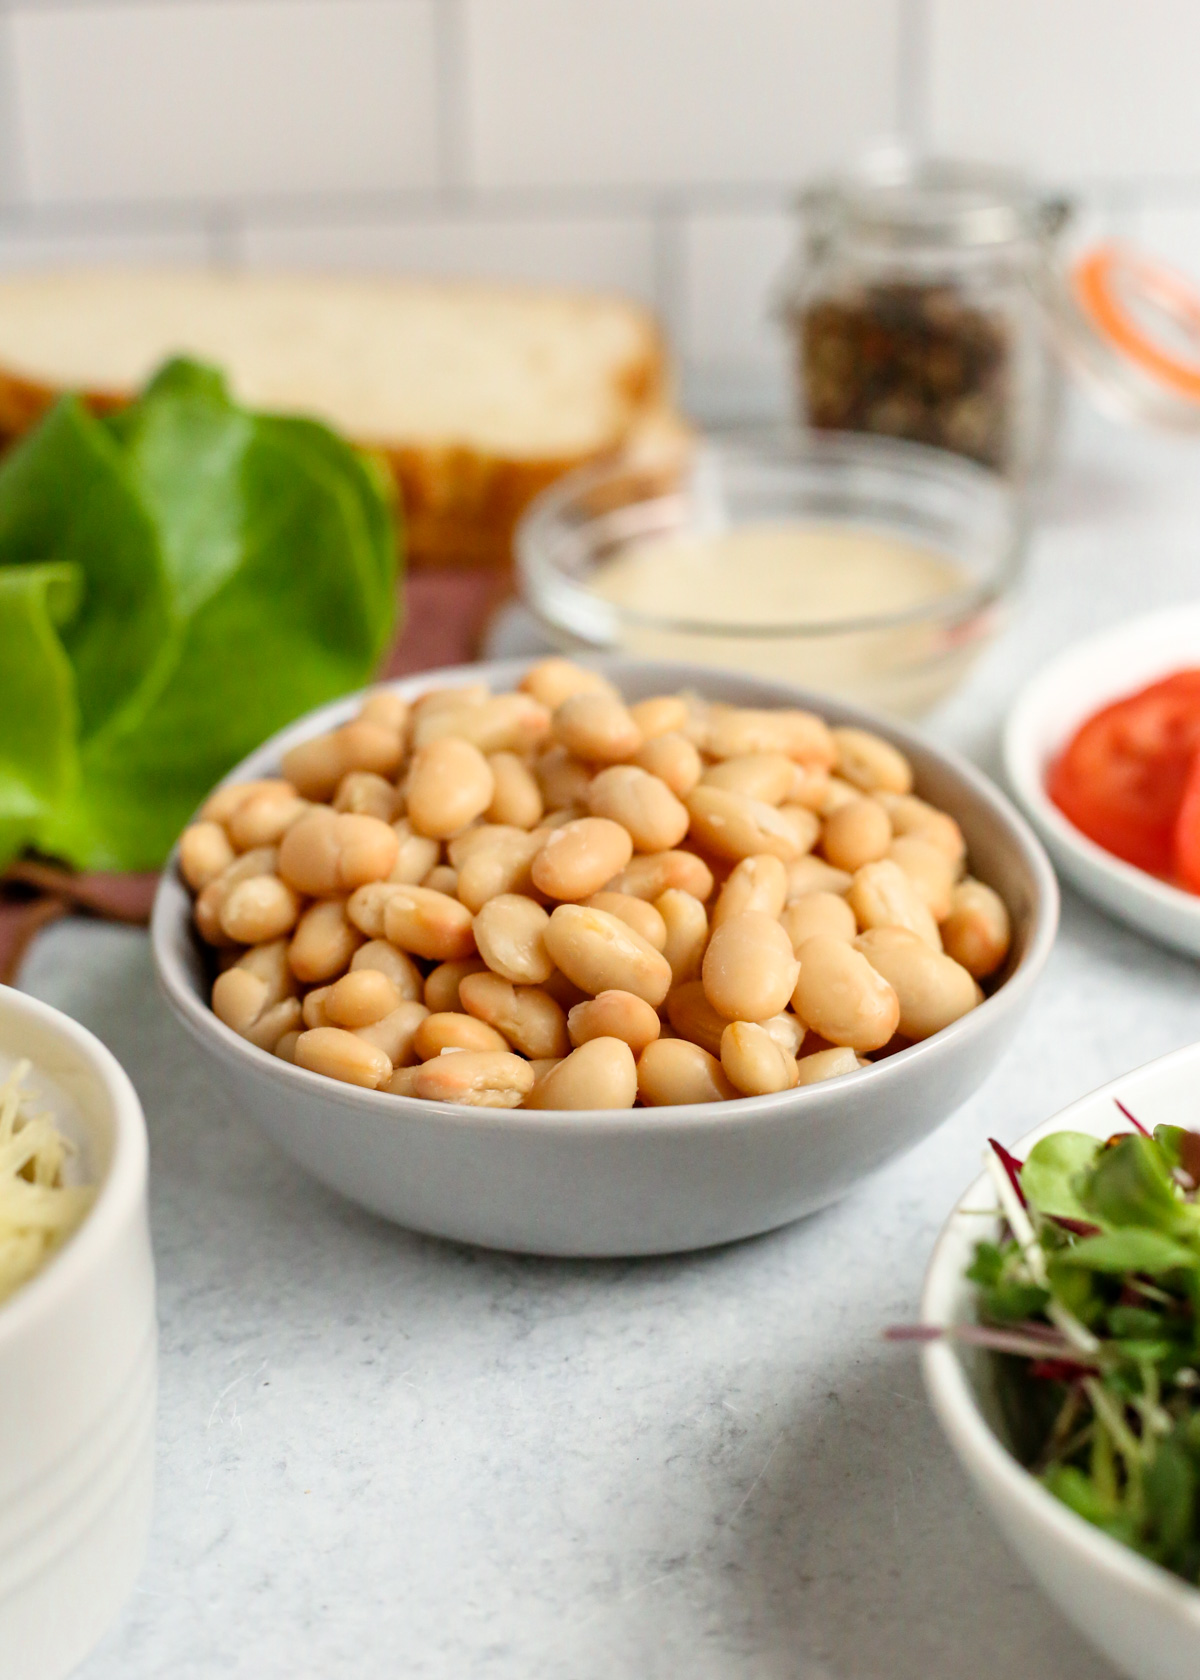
x: 1088, y: 1293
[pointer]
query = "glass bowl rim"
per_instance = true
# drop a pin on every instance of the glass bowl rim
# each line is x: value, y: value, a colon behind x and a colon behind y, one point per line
x: 778, y: 445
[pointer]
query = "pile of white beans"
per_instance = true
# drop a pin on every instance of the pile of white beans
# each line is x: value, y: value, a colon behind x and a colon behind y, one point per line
x: 550, y: 899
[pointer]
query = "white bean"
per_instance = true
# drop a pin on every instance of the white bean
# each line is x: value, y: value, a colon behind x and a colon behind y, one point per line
x: 643, y: 918
x: 933, y: 990
x: 882, y: 895
x: 766, y: 776
x: 428, y: 924
x: 672, y: 1071
x: 753, y: 1061
x: 818, y: 912
x: 342, y: 1055
x: 749, y: 969
x: 518, y: 799
x: 732, y: 825
x: 757, y: 883
x: 843, y: 997
x: 399, y: 967
x: 450, y: 783
x: 857, y: 832
x: 614, y: 1015
x: 478, y: 1078
x: 643, y: 805
x: 601, y: 953
x: 673, y: 759
x: 686, y: 924
x: 527, y: 1016
x: 597, y: 728
x: 693, y: 1017
x: 826, y: 1064
x: 870, y: 762
x: 977, y: 932
x: 578, y: 859
x: 510, y: 931
x: 204, y: 851
x: 650, y: 877
x: 600, y: 1073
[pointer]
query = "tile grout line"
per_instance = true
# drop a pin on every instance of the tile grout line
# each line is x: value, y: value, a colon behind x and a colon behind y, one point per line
x: 224, y: 233
x: 912, y: 74
x: 417, y: 204
x: 102, y: 5
x: 669, y: 260
x: 452, y: 108
x: 226, y: 216
x: 14, y: 172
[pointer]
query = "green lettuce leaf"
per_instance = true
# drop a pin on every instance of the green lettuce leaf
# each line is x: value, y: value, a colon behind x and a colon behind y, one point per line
x: 1130, y: 1185
x: 1052, y: 1171
x: 38, y: 759
x: 1135, y: 1249
x: 259, y: 559
x: 67, y: 494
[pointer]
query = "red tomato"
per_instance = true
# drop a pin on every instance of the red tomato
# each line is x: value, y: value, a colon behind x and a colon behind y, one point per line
x: 1122, y: 779
x: 1187, y: 831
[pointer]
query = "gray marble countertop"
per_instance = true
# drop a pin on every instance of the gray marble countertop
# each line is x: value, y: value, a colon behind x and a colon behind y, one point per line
x: 381, y: 1455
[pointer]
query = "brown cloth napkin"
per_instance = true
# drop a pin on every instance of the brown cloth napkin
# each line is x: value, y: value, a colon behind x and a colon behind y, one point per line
x: 448, y: 611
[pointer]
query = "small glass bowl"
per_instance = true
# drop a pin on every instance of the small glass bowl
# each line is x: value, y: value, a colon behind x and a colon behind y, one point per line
x: 901, y: 661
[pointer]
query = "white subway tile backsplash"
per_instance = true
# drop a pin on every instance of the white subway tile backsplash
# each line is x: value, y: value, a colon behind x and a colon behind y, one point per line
x: 732, y: 268
x: 1169, y: 231
x: 1078, y: 89
x: 667, y: 92
x: 632, y: 145
x: 719, y: 394
x: 195, y: 100
x: 82, y: 247
x: 602, y: 253
x: 726, y: 330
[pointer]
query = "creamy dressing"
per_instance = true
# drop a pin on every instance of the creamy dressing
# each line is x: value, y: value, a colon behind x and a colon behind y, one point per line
x: 792, y: 576
x: 776, y: 574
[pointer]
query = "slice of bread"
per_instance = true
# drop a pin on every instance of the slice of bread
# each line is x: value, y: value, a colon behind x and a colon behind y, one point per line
x: 478, y: 395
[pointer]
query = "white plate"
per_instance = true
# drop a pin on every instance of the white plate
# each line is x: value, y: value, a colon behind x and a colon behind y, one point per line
x: 1046, y: 714
x: 636, y: 1181
x: 1141, y: 1618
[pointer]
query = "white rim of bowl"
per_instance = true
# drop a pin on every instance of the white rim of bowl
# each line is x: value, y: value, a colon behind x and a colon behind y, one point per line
x: 1025, y: 769
x: 172, y: 906
x: 958, y: 1411
x: 119, y: 1192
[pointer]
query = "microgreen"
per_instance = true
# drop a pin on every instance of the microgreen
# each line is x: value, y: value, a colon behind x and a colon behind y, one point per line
x: 1089, y: 1298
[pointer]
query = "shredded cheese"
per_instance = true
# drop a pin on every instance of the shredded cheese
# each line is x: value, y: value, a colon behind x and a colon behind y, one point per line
x: 38, y: 1212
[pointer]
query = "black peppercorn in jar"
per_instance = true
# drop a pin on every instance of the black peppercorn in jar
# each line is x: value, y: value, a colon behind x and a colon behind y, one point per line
x: 915, y: 310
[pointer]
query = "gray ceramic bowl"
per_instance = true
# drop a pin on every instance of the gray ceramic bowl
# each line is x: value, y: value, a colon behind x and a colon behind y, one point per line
x: 636, y: 1181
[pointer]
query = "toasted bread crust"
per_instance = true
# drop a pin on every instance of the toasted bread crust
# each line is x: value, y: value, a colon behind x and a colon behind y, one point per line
x: 460, y: 505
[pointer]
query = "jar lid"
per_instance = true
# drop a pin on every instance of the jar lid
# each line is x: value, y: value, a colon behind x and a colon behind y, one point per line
x: 898, y: 200
x: 1130, y: 327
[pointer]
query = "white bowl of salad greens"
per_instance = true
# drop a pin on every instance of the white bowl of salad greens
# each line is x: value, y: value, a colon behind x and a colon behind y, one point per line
x: 77, y: 1340
x: 1062, y: 1312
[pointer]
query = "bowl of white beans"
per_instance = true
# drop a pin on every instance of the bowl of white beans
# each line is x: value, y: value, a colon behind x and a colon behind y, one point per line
x: 622, y: 959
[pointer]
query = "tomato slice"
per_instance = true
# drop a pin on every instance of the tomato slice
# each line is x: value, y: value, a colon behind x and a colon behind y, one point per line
x: 1122, y: 779
x: 1187, y: 831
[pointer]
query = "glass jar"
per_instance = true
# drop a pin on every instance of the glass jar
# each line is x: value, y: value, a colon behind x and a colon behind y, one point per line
x: 915, y: 309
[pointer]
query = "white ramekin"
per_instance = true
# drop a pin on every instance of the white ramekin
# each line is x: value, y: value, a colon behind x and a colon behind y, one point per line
x: 77, y: 1374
